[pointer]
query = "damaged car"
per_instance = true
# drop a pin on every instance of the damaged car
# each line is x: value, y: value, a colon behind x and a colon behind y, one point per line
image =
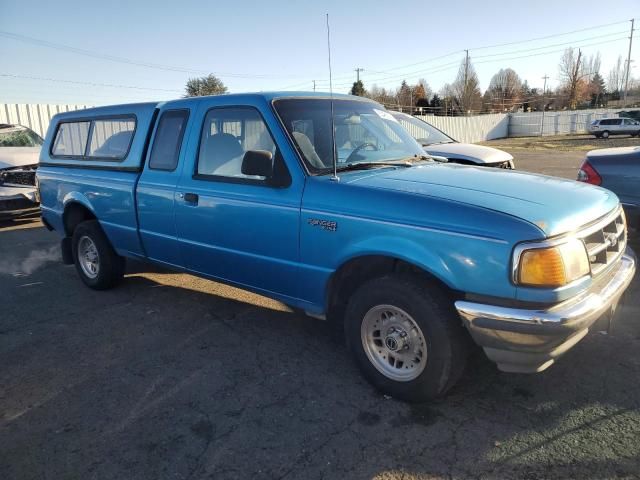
x: 438, y: 144
x: 19, y: 152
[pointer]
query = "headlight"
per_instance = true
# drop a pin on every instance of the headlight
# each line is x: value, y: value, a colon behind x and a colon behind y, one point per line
x: 553, y: 266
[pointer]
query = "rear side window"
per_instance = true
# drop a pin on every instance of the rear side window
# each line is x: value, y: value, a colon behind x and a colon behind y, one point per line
x: 111, y: 138
x: 99, y: 139
x: 71, y: 139
x: 166, y: 145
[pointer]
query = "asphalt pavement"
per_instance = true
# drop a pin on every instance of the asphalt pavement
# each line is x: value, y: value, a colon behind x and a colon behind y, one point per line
x: 170, y: 376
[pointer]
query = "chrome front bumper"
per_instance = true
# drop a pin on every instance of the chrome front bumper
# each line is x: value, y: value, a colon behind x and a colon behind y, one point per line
x: 528, y: 341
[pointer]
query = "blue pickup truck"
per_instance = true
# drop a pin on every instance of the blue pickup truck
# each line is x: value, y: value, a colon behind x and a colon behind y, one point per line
x: 328, y: 205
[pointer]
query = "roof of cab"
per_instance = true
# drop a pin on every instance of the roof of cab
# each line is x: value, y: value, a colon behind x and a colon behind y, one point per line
x: 238, y: 97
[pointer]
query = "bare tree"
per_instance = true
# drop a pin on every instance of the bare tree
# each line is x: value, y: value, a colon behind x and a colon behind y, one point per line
x: 615, y: 81
x: 504, y: 92
x: 572, y: 77
x: 466, y: 88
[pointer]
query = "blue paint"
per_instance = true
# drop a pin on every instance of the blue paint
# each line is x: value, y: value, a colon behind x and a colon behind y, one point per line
x: 456, y: 222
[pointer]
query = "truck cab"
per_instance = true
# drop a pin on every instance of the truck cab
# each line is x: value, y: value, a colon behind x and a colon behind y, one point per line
x: 327, y: 204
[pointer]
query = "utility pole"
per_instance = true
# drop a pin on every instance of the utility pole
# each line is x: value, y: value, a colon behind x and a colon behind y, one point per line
x: 465, y: 93
x: 626, y: 82
x: 358, y: 70
x: 314, y: 85
x: 544, y: 102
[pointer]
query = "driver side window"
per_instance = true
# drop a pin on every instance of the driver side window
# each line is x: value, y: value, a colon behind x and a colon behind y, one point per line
x: 227, y: 134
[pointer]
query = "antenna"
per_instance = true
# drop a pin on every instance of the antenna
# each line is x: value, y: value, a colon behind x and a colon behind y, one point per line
x: 335, y: 177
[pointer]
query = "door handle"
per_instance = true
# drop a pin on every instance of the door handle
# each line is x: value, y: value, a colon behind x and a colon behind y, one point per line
x: 191, y: 198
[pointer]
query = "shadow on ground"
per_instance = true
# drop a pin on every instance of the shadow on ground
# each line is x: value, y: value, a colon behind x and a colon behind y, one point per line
x: 170, y: 376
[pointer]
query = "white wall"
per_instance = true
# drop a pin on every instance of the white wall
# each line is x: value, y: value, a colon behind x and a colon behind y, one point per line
x: 464, y: 129
x: 471, y: 129
x: 34, y: 116
x: 555, y: 123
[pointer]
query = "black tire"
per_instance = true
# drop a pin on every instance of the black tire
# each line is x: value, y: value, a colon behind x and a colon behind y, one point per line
x: 110, y: 265
x: 445, y: 337
x: 604, y: 134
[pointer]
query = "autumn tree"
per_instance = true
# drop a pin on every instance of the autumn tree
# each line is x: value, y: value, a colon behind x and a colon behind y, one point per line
x: 209, y: 85
x: 572, y: 77
x: 404, y: 94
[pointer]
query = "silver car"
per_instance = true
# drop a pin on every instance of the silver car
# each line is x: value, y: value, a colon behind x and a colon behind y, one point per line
x: 19, y: 153
x: 604, y: 127
x: 437, y: 143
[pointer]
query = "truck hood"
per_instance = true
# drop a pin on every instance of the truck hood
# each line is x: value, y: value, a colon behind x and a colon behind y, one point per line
x: 555, y: 205
x: 467, y: 151
x: 18, y: 156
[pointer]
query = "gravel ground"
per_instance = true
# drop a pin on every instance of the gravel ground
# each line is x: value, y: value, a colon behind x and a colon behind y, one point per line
x: 173, y: 377
x: 563, y: 143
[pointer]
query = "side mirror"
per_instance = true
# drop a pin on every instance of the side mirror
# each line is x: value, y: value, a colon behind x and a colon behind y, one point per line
x: 257, y: 163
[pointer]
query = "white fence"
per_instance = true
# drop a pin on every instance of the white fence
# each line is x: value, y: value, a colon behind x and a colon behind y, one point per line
x: 471, y: 129
x: 464, y: 129
x: 555, y: 123
x: 34, y: 116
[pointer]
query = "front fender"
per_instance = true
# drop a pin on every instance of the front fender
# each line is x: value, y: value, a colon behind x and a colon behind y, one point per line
x: 404, y: 249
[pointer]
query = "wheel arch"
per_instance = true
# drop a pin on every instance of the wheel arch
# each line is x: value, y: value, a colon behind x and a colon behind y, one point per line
x: 75, y: 212
x: 355, y: 271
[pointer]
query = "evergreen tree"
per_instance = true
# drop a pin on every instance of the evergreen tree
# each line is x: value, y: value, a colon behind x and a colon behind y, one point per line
x: 358, y: 89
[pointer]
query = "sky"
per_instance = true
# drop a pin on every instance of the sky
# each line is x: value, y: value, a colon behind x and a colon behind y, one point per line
x: 125, y: 51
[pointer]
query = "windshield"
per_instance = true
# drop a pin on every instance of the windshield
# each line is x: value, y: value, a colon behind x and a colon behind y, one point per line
x: 365, y: 132
x: 424, y: 133
x: 17, y: 136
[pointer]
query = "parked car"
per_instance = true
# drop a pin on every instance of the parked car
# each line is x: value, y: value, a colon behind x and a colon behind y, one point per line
x: 436, y: 142
x: 617, y: 169
x: 19, y: 152
x: 331, y: 207
x: 634, y: 114
x: 605, y: 127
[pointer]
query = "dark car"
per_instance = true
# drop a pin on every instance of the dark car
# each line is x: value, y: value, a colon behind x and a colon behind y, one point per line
x: 634, y: 114
x: 617, y: 169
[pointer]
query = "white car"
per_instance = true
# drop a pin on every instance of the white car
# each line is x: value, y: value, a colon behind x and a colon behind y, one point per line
x: 438, y: 143
x: 605, y: 127
x: 19, y: 153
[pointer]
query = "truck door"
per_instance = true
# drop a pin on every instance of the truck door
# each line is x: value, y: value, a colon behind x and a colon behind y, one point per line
x: 156, y: 188
x: 232, y: 226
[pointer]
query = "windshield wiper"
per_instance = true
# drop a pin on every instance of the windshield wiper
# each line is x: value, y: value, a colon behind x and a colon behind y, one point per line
x: 368, y: 165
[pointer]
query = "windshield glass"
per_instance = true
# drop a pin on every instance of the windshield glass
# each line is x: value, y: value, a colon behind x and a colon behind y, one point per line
x: 16, y: 136
x: 424, y: 133
x: 365, y: 132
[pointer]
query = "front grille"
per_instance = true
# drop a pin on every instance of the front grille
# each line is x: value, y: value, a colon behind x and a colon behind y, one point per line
x: 605, y: 242
x: 24, y: 177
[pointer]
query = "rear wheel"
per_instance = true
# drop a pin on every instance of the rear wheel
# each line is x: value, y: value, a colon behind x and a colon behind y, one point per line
x: 406, y: 337
x: 97, y: 263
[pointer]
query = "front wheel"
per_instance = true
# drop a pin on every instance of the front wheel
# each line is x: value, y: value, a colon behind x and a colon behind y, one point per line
x: 605, y: 134
x: 406, y: 337
x: 97, y: 263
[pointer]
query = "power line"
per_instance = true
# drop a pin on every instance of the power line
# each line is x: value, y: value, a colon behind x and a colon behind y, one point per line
x: 550, y: 36
x: 550, y: 52
x: 115, y: 58
x: 511, y: 52
x: 409, y: 74
x: 77, y: 82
